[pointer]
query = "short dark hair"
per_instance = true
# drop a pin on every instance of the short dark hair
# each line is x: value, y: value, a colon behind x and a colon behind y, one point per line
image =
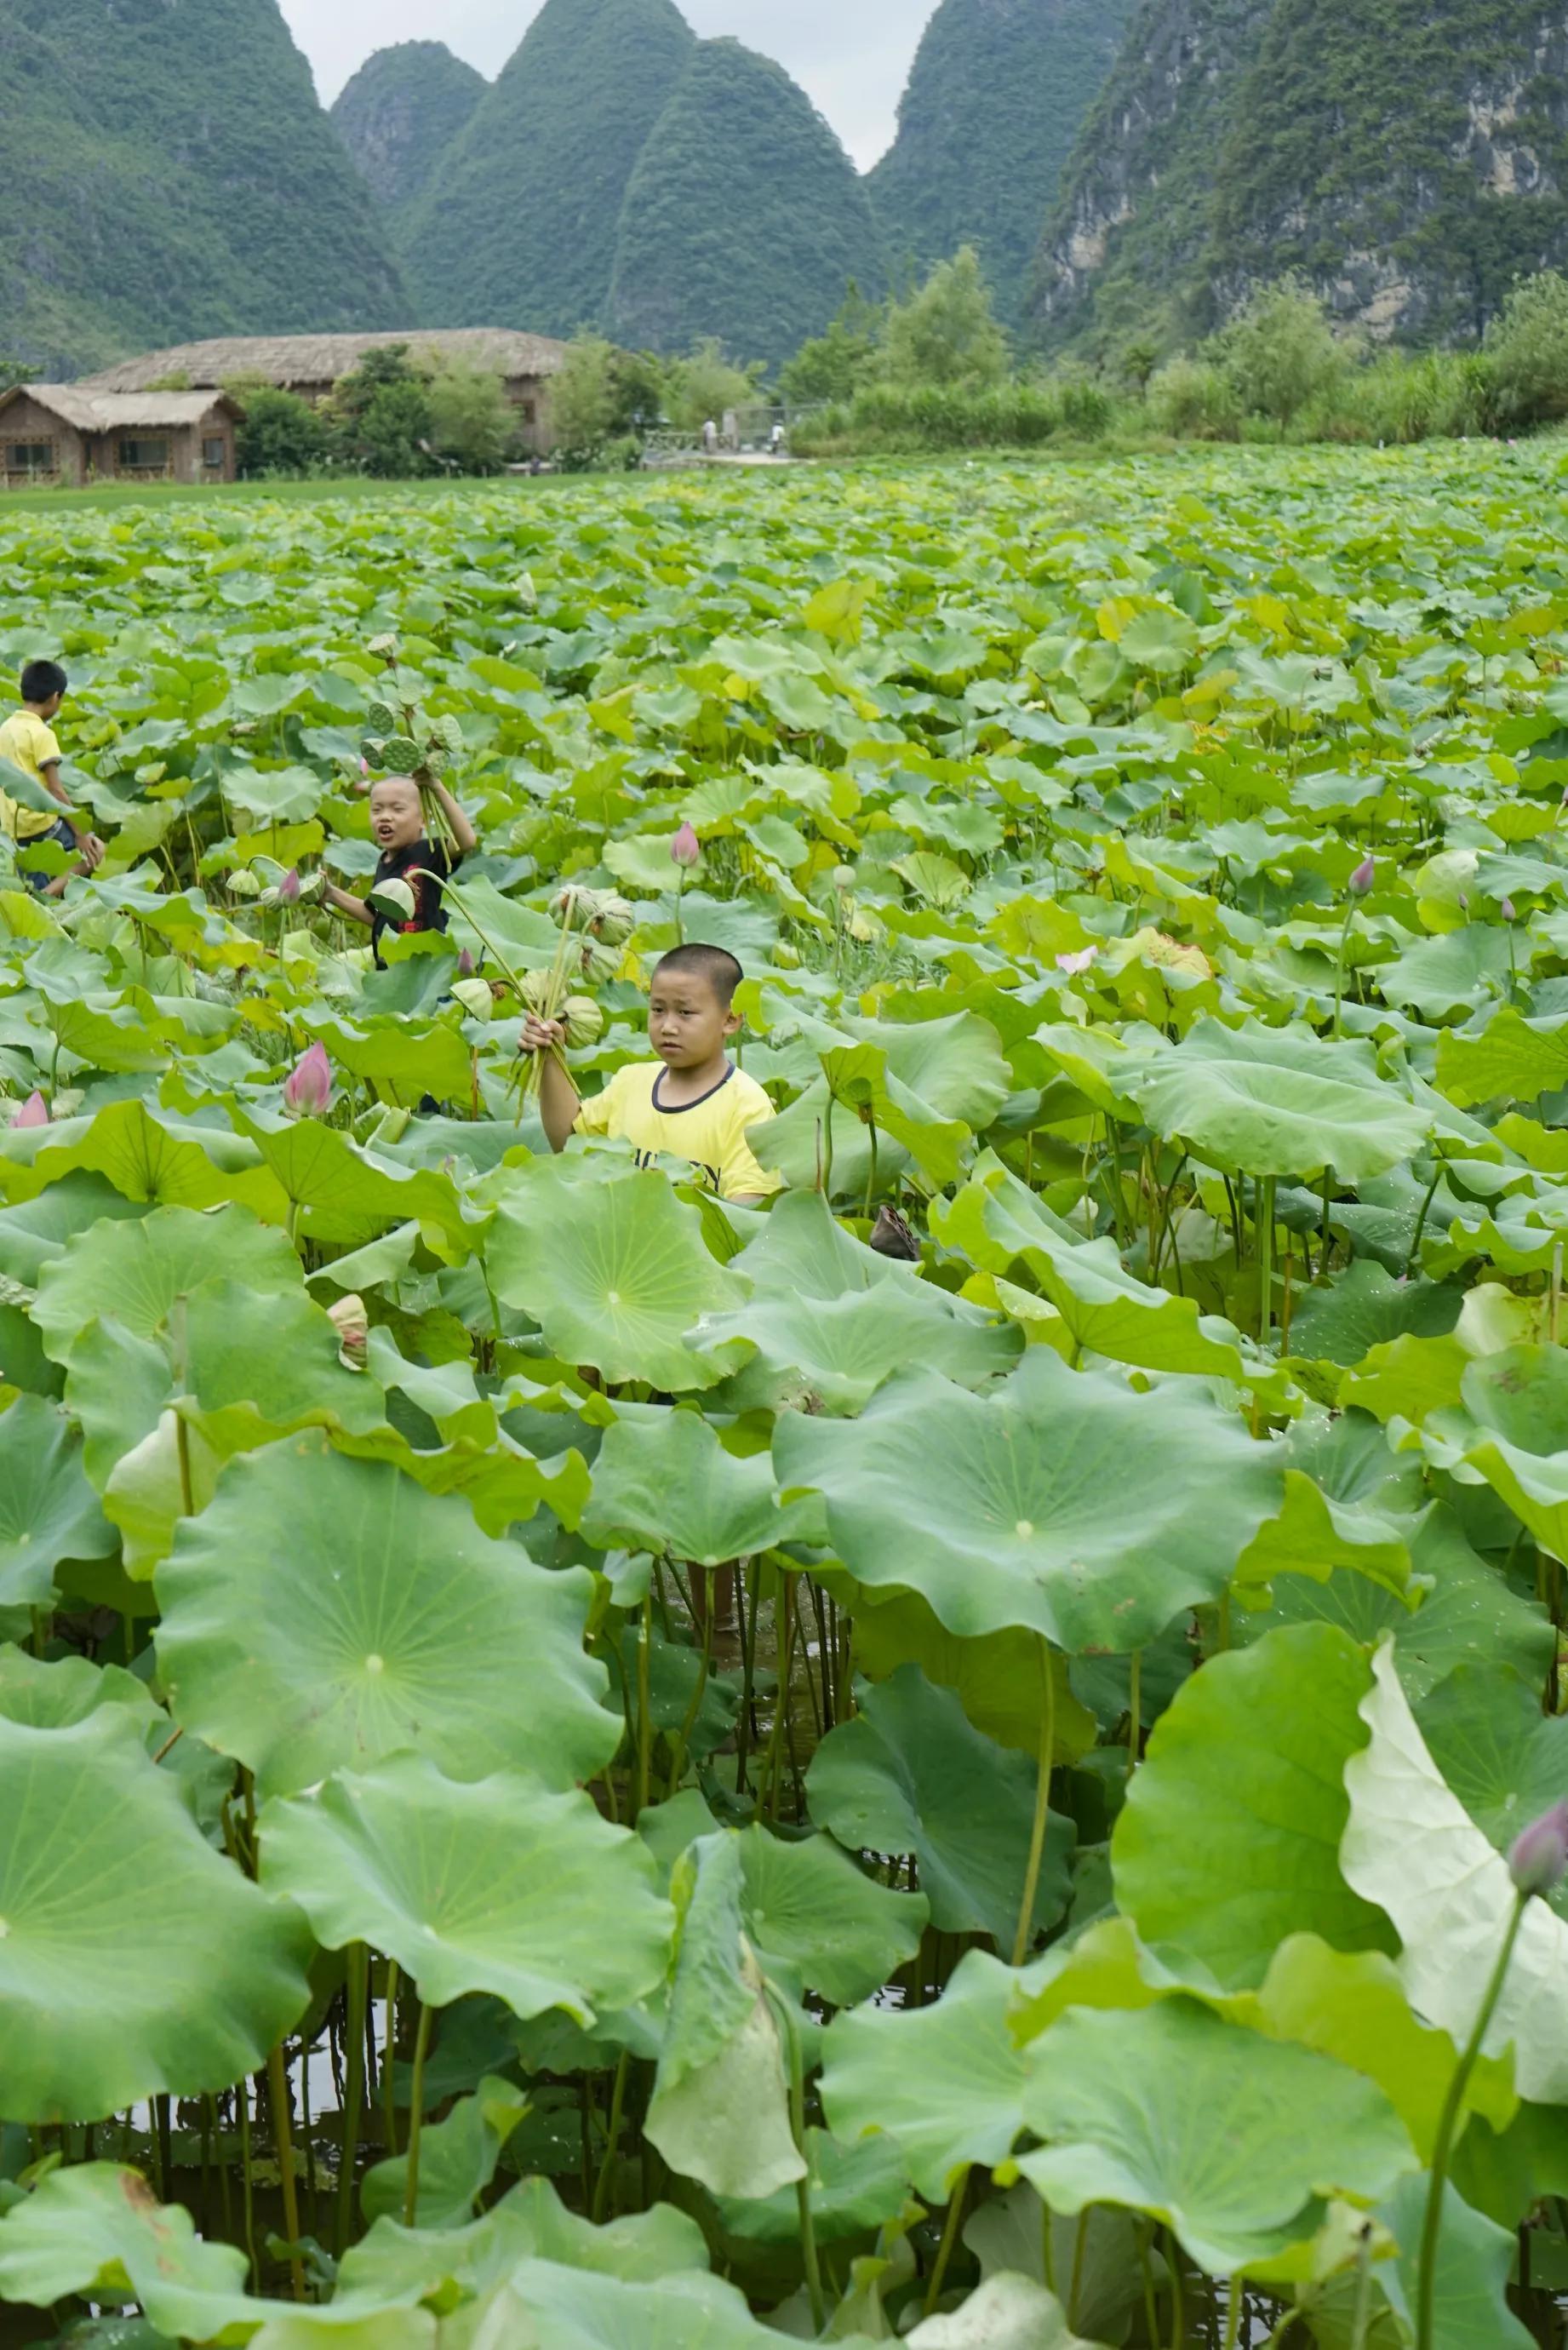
x: 717, y: 966
x: 41, y: 680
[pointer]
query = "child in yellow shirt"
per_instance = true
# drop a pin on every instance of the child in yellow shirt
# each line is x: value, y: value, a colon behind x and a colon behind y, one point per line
x: 691, y: 1104
x: 28, y: 740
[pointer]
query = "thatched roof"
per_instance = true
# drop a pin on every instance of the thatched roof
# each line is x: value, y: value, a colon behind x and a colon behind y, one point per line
x: 295, y: 359
x: 100, y: 411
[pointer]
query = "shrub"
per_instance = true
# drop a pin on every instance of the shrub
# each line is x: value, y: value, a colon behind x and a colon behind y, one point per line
x: 472, y: 420
x: 945, y: 335
x: 1280, y: 353
x: 1527, y: 352
x: 1193, y: 400
x: 278, y: 434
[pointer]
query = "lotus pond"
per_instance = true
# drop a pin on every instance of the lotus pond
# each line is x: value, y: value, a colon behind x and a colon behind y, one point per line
x: 583, y: 1769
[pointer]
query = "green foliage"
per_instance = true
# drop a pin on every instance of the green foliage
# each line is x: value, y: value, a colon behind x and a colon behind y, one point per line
x: 379, y: 419
x: 947, y: 333
x: 744, y: 219
x: 519, y: 227
x: 399, y: 115
x: 988, y: 120
x: 279, y: 434
x: 1279, y: 352
x: 836, y: 365
x: 472, y: 420
x: 1527, y: 352
x: 601, y: 397
x: 703, y: 384
x: 144, y: 218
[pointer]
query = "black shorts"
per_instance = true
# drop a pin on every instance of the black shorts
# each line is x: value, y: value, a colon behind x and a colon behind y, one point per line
x: 38, y: 882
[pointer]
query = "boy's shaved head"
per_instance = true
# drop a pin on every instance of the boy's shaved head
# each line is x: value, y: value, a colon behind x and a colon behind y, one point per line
x: 401, y: 783
x: 715, y: 965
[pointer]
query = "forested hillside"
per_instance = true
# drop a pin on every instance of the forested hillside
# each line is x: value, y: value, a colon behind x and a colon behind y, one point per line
x: 995, y: 101
x: 172, y: 174
x: 519, y: 229
x: 401, y: 113
x: 744, y: 219
x: 1408, y: 158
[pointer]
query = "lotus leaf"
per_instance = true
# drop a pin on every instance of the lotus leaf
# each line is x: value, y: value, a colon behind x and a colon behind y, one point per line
x: 49, y: 1513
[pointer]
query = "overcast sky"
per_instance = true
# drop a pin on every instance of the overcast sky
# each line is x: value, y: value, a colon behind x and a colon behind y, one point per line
x: 851, y: 54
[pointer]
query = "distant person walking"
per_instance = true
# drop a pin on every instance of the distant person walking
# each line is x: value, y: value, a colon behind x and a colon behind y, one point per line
x: 776, y: 441
x: 710, y: 438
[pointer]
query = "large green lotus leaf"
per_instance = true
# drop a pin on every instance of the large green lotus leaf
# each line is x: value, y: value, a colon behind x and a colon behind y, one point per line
x: 530, y: 2223
x: 1114, y: 2097
x: 1349, y: 1503
x: 134, y: 1961
x: 1475, y: 2262
x: 48, y: 1512
x: 1000, y: 1224
x: 947, y: 2081
x: 719, y: 2112
x: 1064, y: 1501
x: 1504, y: 1758
x: 502, y: 1482
x: 1279, y: 1101
x: 323, y: 1612
x: 1518, y: 1399
x: 810, y: 1911
x: 1229, y: 1840
x: 853, y: 2192
x: 144, y: 1157
x: 614, y: 1270
x: 394, y: 2262
x: 34, y: 1231
x: 1006, y: 2312
x: 832, y: 1353
x: 135, y: 1271
x: 666, y: 1483
x: 100, y: 2232
x: 1447, y: 976
x: 1468, y: 1611
x: 1098, y: 2249
x: 996, y: 1677
x: 1365, y: 1307
x: 1513, y: 1059
x: 52, y: 1696
x: 1411, y: 1848
x: 402, y: 1058
x: 910, y: 1774
x: 1351, y: 2005
x: 338, y: 1191
x: 546, y: 2307
x: 502, y: 1885
x: 457, y: 2158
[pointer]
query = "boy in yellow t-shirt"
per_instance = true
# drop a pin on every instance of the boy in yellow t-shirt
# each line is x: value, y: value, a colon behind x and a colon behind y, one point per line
x: 28, y: 740
x: 692, y: 1104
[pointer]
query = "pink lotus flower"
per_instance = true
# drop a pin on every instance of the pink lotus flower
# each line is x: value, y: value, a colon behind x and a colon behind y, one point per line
x: 353, y: 1327
x: 34, y: 1111
x: 308, y: 1086
x: 1538, y: 1859
x: 466, y: 963
x: 1361, y: 878
x: 686, y: 848
x: 1507, y: 910
x: 288, y: 888
x: 1076, y: 964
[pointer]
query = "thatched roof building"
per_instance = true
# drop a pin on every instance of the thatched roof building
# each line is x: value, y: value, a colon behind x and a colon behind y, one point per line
x: 311, y: 364
x: 64, y: 433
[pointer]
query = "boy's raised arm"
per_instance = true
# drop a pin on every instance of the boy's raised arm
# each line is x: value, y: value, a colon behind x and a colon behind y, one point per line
x: 463, y: 832
x: 559, y: 1101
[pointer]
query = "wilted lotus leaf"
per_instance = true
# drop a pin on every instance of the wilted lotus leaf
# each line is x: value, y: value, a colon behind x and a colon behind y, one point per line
x: 1112, y: 2094
x: 134, y: 1959
x: 615, y: 1272
x: 323, y: 1612
x: 1063, y: 1501
x: 910, y: 1774
x: 500, y: 1884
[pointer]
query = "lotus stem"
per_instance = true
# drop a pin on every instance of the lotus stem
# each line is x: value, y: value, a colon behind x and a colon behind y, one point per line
x: 695, y: 1708
x: 283, y: 2141
x: 1178, y: 2298
x: 1421, y: 1222
x: 388, y: 2094
x: 1134, y: 1712
x: 416, y: 2115
x: 1048, y: 2248
x: 809, y: 2260
x: 644, y: 1716
x: 950, y: 2238
x: 617, y: 2106
x: 748, y: 1591
x: 1363, y: 2311
x: 1443, y: 2145
x: 1080, y: 2245
x: 1264, y: 1227
x: 356, y: 1999
x: 1042, y: 1803
x: 242, y: 2091
x: 871, y: 1171
x: 781, y: 1700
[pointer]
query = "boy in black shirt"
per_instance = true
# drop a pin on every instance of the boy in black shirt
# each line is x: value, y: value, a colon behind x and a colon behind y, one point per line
x: 397, y: 825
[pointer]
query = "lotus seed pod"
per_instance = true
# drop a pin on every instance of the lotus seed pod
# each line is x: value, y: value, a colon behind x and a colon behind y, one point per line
x: 474, y: 996
x: 583, y: 1020
x: 615, y: 920
x: 395, y: 899
x: 451, y: 736
x: 380, y: 719
x: 843, y: 878
x: 600, y: 962
x: 353, y: 1327
x: 242, y: 883
x: 535, y: 993
x: 575, y: 904
x: 401, y: 753
x: 384, y: 647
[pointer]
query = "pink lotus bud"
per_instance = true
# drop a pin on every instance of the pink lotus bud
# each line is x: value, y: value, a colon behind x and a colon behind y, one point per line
x: 353, y: 1325
x: 308, y: 1087
x: 1506, y: 910
x: 288, y: 888
x: 686, y: 848
x: 34, y: 1111
x: 465, y: 964
x: 1073, y: 965
x: 1538, y: 1859
x: 1361, y: 878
